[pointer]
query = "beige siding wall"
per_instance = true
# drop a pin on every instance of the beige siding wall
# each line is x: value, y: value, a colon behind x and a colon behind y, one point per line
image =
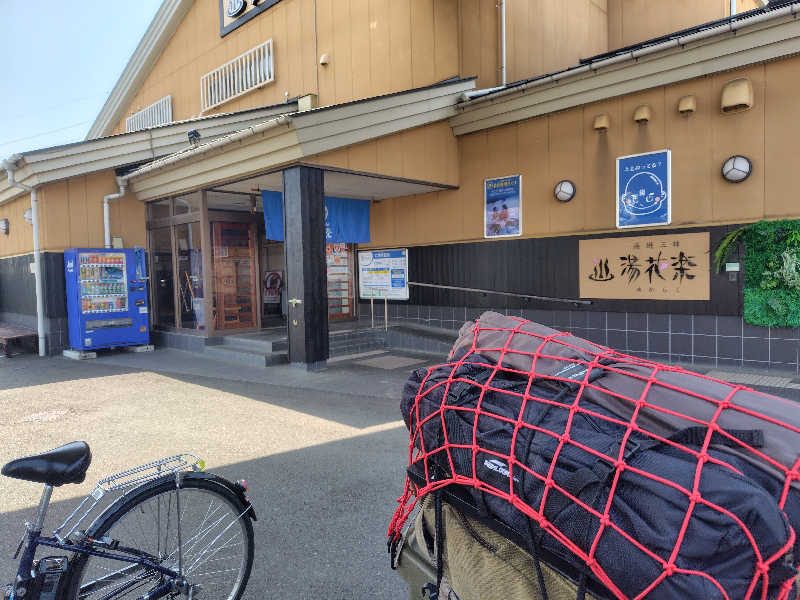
x: 428, y: 153
x: 564, y: 146
x: 72, y: 214
x: 374, y: 47
x: 381, y: 46
x: 20, y: 235
x: 632, y: 21
x: 545, y: 36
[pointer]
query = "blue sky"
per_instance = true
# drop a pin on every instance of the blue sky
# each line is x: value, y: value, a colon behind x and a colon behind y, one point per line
x: 60, y: 60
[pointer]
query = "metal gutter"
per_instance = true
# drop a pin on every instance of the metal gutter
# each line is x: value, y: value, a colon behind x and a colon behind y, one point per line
x: 702, y: 32
x: 206, y: 148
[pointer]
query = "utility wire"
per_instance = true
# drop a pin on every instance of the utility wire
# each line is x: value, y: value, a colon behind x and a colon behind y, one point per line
x: 30, y: 137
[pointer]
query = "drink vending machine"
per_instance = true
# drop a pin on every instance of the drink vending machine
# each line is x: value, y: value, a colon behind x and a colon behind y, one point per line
x: 106, y: 297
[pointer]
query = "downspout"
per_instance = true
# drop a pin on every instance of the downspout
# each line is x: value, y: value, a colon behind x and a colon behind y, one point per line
x: 37, y: 262
x: 502, y: 6
x: 733, y: 7
x: 106, y: 216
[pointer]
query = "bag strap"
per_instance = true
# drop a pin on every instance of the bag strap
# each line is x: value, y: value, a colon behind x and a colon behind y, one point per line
x: 696, y: 436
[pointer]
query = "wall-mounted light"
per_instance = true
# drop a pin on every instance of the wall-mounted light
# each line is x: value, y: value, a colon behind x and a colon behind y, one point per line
x: 28, y: 216
x: 737, y: 168
x: 642, y: 114
x: 687, y: 105
x: 4, y: 226
x: 324, y: 59
x: 564, y: 190
x: 601, y: 122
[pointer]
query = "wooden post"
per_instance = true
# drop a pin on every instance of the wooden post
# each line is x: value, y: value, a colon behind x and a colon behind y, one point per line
x: 306, y: 268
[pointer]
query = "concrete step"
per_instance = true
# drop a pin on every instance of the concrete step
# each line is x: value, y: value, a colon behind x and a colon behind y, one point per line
x: 254, y: 344
x: 245, y: 356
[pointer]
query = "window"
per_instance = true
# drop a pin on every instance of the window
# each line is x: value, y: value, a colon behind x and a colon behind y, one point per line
x: 158, y: 113
x: 246, y: 72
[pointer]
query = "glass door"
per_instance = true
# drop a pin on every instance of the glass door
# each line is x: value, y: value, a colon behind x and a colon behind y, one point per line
x: 341, y: 303
x: 235, y: 279
x: 162, y: 276
x: 190, y: 275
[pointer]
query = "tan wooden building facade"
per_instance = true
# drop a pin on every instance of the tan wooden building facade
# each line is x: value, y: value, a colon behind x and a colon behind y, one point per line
x: 385, y: 98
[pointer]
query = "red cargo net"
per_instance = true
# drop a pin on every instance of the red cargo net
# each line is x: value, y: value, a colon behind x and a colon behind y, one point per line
x: 596, y: 357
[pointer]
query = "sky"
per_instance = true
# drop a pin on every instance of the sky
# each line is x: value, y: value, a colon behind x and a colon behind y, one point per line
x: 60, y: 60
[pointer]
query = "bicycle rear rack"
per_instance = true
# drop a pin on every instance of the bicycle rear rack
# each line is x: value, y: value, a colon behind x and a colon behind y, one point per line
x: 124, y: 482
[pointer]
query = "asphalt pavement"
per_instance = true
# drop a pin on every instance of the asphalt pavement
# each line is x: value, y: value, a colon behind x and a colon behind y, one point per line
x: 323, y: 453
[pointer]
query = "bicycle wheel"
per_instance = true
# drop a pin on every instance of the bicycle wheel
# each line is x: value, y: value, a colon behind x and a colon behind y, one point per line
x: 216, y: 541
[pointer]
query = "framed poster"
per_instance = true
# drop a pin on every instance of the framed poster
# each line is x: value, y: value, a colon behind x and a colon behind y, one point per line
x: 502, y: 207
x: 644, y: 189
x: 383, y: 274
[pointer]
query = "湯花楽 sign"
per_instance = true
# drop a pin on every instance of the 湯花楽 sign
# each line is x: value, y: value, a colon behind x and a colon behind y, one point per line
x: 652, y: 267
x: 502, y: 207
x: 383, y: 274
x: 644, y: 189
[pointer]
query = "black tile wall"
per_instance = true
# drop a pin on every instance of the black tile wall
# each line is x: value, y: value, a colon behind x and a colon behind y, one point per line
x: 703, y: 340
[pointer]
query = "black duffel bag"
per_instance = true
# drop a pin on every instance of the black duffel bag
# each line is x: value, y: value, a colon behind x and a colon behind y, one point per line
x: 495, y: 433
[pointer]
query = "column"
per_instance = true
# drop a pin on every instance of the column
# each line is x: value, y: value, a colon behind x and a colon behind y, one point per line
x: 306, y: 271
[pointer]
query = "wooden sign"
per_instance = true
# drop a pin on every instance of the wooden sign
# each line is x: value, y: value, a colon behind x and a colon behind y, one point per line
x: 649, y: 267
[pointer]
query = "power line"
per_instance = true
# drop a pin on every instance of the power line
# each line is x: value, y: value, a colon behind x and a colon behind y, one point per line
x: 30, y: 137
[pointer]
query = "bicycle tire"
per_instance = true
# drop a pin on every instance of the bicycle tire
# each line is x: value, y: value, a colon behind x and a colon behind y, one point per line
x: 226, y: 508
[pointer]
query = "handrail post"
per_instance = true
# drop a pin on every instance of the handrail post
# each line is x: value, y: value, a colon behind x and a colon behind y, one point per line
x: 385, y: 313
x: 372, y: 311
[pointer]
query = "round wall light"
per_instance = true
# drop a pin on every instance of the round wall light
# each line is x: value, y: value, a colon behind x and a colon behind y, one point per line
x: 737, y: 168
x: 564, y: 190
x: 28, y: 216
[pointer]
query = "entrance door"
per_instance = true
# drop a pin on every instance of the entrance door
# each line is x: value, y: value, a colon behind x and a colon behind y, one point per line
x: 341, y: 303
x: 235, y: 279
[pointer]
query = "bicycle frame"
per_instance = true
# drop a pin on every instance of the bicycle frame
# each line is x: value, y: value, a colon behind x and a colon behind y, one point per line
x: 33, y: 538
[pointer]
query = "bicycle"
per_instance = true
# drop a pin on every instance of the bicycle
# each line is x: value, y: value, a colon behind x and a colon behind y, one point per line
x: 162, y: 529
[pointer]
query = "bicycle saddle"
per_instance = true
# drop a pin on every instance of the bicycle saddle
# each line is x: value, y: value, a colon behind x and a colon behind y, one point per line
x: 66, y: 464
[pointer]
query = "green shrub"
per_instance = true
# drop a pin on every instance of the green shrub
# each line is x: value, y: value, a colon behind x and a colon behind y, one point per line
x: 771, y: 271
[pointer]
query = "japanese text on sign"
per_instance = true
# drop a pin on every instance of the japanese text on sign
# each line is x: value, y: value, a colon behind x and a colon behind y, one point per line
x: 658, y: 267
x: 383, y: 274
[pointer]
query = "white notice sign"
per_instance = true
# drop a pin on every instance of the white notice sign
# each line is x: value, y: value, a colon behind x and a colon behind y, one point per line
x: 383, y: 274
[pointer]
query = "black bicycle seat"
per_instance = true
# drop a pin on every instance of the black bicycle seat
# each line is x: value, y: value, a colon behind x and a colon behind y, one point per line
x: 66, y: 464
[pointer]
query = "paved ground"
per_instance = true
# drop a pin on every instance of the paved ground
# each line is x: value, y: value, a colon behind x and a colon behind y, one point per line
x: 323, y: 453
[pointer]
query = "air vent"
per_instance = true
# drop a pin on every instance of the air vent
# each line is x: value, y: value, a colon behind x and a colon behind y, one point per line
x: 158, y: 113
x: 243, y: 74
x: 737, y: 96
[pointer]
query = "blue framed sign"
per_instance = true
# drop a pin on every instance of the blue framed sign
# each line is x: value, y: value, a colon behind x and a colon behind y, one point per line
x: 502, y: 207
x: 644, y: 189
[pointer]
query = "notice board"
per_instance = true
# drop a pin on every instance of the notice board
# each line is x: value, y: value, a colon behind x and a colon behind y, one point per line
x: 383, y: 274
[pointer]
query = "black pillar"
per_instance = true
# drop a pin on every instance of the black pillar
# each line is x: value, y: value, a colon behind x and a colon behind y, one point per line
x: 306, y: 269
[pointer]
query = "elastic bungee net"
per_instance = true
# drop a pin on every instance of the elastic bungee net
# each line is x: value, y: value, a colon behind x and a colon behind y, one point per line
x: 547, y: 353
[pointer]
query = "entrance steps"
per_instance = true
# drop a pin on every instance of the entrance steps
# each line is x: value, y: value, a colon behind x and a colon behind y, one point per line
x: 270, y: 346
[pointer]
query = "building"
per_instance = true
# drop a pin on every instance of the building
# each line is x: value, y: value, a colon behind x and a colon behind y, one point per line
x: 230, y: 109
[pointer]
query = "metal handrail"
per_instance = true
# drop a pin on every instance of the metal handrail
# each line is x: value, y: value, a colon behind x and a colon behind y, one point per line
x: 510, y: 294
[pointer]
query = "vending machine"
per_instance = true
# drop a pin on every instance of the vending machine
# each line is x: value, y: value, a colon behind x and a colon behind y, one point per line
x: 106, y: 297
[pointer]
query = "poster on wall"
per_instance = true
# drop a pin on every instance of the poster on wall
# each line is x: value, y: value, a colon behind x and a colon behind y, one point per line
x: 644, y: 189
x: 502, y: 207
x: 651, y: 267
x: 383, y: 274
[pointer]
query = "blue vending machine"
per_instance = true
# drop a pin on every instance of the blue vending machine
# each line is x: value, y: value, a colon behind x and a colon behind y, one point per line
x: 106, y: 297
